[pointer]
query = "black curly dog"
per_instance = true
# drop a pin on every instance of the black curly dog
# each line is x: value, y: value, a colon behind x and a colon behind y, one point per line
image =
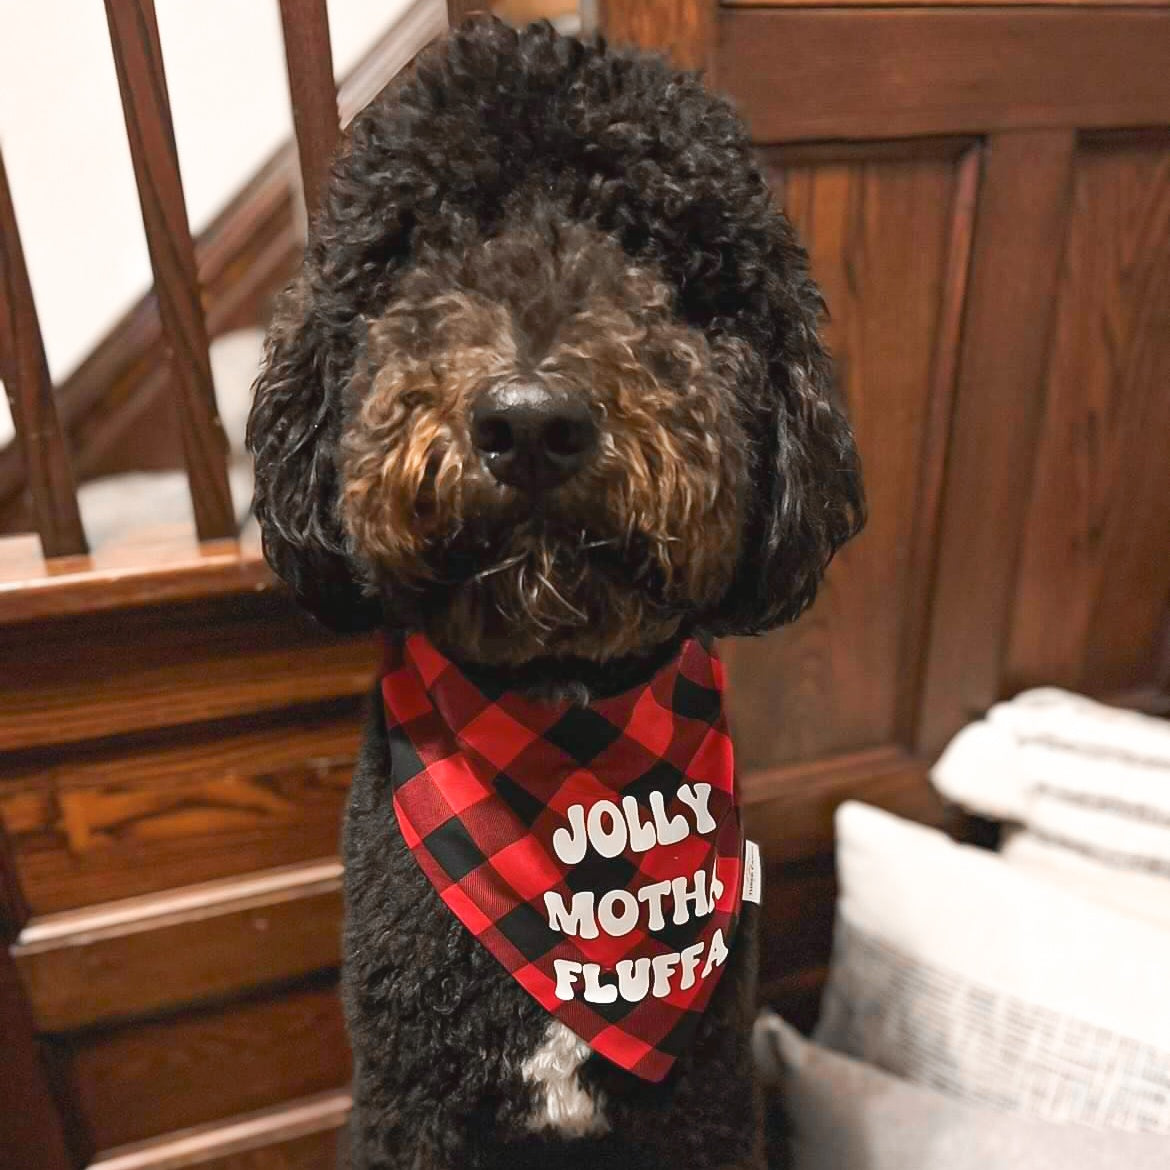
x: 549, y: 388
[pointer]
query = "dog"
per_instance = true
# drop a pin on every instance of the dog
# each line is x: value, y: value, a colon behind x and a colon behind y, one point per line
x: 548, y: 405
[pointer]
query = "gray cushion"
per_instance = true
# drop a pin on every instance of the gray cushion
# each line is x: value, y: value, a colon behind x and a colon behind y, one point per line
x: 845, y: 1115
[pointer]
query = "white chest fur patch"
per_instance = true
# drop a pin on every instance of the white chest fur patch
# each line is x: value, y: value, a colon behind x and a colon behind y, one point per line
x: 562, y: 1104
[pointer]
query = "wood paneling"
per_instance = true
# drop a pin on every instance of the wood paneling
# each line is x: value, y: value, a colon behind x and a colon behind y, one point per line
x: 522, y: 12
x: 152, y: 954
x: 1092, y: 586
x: 302, y: 1135
x: 1019, y: 237
x: 941, y: 3
x: 142, y: 82
x: 684, y: 29
x: 104, y: 822
x: 879, y: 234
x: 32, y: 1133
x: 841, y: 73
x: 789, y: 810
x: 143, y: 1080
x: 191, y: 663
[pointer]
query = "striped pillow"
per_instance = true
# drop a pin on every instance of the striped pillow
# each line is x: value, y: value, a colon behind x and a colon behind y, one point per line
x: 953, y: 970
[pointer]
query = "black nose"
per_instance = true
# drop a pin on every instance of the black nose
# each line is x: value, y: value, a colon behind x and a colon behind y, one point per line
x: 530, y: 437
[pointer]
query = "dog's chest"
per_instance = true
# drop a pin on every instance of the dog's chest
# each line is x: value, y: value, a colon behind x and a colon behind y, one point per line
x: 561, y: 1101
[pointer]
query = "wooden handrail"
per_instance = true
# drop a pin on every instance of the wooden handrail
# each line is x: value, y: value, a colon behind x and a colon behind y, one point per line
x: 309, y: 58
x: 25, y: 371
x: 142, y: 81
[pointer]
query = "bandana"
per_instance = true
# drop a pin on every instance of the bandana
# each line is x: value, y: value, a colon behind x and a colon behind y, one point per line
x: 595, y: 850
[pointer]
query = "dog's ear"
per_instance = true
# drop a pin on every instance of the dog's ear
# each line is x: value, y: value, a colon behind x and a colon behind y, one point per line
x: 805, y: 497
x: 293, y: 434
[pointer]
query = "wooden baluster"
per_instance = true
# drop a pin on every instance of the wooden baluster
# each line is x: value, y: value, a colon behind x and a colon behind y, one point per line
x: 309, y: 58
x: 138, y: 58
x: 30, y: 391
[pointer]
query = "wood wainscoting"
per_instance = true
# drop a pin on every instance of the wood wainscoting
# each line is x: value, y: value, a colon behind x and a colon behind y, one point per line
x: 985, y: 195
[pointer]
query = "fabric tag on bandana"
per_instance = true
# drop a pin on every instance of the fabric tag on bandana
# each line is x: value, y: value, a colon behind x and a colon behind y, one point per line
x: 753, y: 876
x: 596, y: 851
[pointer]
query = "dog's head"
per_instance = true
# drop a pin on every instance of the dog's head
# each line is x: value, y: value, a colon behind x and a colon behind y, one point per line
x: 550, y: 381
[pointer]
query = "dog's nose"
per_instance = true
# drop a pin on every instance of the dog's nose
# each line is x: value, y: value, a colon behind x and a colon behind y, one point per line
x: 531, y: 438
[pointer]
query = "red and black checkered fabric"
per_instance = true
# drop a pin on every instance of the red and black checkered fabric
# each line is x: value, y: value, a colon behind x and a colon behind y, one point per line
x: 596, y: 851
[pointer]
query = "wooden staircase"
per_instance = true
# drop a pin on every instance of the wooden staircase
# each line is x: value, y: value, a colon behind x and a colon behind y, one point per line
x: 176, y: 740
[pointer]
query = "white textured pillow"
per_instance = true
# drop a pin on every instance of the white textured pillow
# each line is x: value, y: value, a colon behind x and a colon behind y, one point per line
x: 1138, y: 893
x: 952, y: 970
x: 845, y: 1115
x: 1075, y: 773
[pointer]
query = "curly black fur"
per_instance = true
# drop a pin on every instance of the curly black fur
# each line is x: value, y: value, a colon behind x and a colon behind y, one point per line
x: 440, y: 1030
x: 492, y: 121
x: 491, y: 125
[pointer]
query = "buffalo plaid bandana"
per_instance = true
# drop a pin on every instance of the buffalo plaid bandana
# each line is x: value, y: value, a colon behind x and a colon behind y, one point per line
x: 596, y: 851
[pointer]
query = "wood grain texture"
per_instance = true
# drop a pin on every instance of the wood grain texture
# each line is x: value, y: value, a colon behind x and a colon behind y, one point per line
x: 878, y: 233
x: 103, y: 822
x: 789, y: 810
x: 1092, y: 586
x: 152, y: 954
x: 936, y: 437
x: 152, y: 668
x: 522, y: 12
x: 459, y: 10
x: 309, y: 58
x: 940, y: 3
x: 142, y: 81
x: 683, y: 29
x: 301, y: 1135
x: 32, y: 1133
x: 1019, y: 238
x: 146, y: 1080
x: 151, y: 566
x: 118, y: 405
x: 845, y: 73
x: 25, y: 372
x: 14, y: 910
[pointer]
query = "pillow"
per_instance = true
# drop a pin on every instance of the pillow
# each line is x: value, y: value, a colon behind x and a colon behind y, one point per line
x: 845, y: 1115
x: 955, y: 971
x: 1135, y: 892
x: 1074, y: 772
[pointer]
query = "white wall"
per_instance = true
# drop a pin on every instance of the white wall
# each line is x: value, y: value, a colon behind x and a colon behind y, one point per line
x: 64, y: 139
